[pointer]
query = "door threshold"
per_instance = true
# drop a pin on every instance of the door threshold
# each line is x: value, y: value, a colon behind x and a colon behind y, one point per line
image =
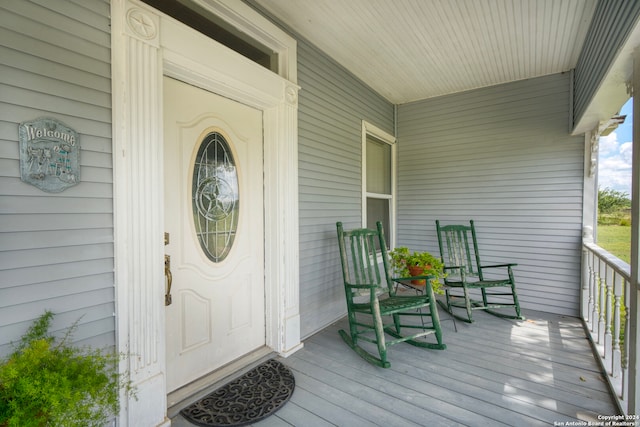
x: 195, y: 390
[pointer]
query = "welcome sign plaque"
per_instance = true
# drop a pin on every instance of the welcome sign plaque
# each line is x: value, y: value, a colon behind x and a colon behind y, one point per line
x: 49, y: 154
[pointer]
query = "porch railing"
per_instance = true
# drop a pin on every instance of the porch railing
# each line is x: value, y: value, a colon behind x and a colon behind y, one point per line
x: 605, y: 288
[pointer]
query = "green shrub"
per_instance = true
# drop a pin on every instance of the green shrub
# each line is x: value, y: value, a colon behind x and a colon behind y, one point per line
x: 610, y: 200
x: 616, y: 218
x: 45, y: 382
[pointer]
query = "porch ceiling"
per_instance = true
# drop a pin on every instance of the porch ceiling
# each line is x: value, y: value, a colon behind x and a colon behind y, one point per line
x: 414, y: 49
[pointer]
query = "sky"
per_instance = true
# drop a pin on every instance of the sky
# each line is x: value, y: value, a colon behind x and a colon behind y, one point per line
x: 614, y: 165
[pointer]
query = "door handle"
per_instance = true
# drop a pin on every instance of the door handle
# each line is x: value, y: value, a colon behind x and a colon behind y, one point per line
x: 169, y: 276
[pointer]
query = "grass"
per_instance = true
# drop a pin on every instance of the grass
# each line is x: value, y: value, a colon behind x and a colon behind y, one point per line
x: 616, y: 239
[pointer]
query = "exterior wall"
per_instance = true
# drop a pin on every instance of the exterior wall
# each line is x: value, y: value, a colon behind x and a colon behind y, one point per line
x: 56, y: 249
x: 613, y: 21
x: 332, y: 105
x: 503, y: 157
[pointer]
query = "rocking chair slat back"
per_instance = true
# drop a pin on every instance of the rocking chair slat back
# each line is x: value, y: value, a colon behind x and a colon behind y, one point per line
x: 458, y: 249
x: 465, y: 279
x: 374, y: 310
x: 361, y: 267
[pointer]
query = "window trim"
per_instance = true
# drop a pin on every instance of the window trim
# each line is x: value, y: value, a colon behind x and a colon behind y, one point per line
x: 369, y: 129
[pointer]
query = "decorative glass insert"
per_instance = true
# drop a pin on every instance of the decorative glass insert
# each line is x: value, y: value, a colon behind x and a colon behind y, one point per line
x: 215, y: 197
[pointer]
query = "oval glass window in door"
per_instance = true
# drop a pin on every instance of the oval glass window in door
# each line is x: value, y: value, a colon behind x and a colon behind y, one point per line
x: 215, y: 197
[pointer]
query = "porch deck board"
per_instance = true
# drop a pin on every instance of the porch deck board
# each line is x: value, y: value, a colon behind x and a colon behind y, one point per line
x: 494, y: 372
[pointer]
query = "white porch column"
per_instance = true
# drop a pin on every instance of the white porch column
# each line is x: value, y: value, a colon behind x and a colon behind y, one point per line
x: 634, y: 300
x: 589, y: 212
x: 281, y: 230
x: 585, y: 293
x: 138, y: 210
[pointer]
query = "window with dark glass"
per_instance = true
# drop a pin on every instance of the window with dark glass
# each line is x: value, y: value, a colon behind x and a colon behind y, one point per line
x: 203, y: 21
x: 378, y: 183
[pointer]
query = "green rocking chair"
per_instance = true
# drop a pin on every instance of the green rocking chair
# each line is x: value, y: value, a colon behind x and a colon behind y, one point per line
x: 372, y: 299
x: 465, y: 273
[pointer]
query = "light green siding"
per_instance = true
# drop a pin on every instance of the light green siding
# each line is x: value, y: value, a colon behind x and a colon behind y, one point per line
x: 503, y: 157
x: 332, y: 106
x: 56, y: 250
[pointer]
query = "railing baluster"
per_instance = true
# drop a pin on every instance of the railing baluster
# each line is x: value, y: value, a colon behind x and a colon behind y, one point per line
x: 590, y: 281
x: 626, y: 291
x: 624, y: 391
x: 607, y: 319
x: 584, y: 285
x: 616, y: 363
x: 594, y: 293
x: 601, y: 300
x: 608, y: 316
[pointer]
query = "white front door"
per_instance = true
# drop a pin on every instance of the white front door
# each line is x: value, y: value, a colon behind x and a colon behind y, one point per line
x: 213, y: 181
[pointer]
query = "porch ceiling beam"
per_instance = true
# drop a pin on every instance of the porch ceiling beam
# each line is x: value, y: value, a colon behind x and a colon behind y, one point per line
x: 614, y: 89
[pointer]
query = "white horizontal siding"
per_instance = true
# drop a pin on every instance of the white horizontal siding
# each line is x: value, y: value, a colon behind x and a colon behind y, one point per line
x: 56, y: 250
x: 503, y: 157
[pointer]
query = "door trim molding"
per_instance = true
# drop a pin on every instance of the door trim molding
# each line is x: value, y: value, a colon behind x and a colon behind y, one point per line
x: 145, y: 45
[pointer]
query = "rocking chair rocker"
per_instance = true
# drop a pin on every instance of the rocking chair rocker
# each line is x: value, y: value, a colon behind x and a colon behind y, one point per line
x: 372, y: 299
x: 465, y: 272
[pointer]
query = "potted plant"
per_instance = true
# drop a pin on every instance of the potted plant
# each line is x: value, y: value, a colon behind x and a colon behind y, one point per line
x: 409, y: 264
x: 48, y: 382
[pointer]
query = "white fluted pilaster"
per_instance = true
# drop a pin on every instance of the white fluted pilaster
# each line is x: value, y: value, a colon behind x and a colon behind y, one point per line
x: 281, y: 222
x: 137, y: 141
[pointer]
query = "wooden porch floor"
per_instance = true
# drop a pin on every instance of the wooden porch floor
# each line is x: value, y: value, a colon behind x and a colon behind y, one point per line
x: 538, y: 372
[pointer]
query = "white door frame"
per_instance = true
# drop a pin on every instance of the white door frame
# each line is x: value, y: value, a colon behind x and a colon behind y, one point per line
x: 145, y: 45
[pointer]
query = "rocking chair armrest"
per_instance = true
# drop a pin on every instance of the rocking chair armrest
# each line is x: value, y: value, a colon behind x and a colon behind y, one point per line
x: 407, y: 281
x: 362, y: 286
x: 399, y: 279
x: 455, y: 267
x: 499, y: 265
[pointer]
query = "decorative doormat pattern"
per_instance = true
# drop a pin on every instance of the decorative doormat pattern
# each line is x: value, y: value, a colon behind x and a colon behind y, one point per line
x: 247, y: 399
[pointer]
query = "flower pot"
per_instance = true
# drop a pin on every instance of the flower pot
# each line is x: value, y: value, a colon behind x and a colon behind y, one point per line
x: 416, y: 270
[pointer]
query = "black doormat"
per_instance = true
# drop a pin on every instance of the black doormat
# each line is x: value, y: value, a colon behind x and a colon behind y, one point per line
x: 245, y: 400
